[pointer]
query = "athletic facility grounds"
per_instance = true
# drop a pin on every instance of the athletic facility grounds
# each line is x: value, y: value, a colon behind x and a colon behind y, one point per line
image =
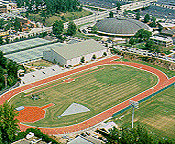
x: 95, y: 87
x: 98, y: 88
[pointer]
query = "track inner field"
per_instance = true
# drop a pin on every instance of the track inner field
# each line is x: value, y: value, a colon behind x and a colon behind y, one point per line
x: 98, y: 89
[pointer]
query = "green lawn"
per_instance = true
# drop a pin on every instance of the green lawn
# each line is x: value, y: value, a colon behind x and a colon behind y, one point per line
x: 68, y: 16
x: 81, y: 35
x: 95, y: 9
x: 98, y: 91
x: 140, y: 46
x: 40, y: 63
x: 156, y: 114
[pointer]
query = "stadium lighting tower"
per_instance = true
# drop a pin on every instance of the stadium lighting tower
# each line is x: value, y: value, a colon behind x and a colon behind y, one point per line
x: 134, y: 104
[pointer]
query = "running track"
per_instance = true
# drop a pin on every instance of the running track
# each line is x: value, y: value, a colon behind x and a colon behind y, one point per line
x: 163, y: 82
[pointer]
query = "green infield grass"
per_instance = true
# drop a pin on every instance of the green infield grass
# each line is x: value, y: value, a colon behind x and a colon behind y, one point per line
x: 98, y: 89
x: 155, y: 114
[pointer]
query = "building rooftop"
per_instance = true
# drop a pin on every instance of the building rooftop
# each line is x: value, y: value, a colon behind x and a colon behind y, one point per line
x: 168, y: 39
x: 78, y: 49
x: 22, y: 45
x: 120, y: 26
x: 79, y: 140
x: 30, y: 54
x: 168, y: 32
x: 169, y: 25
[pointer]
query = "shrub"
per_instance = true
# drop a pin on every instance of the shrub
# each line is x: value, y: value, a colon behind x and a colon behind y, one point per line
x: 105, y: 54
x: 39, y: 134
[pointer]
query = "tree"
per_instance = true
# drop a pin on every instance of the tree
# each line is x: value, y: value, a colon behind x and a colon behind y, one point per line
x: 132, y: 41
x: 118, y: 5
x: 111, y: 14
x: 8, y: 123
x: 137, y: 16
x: 94, y: 29
x: 2, y: 23
x: 2, y: 80
x: 8, y: 25
x: 1, y: 40
x: 153, y: 22
x: 3, y: 60
x: 146, y: 18
x: 104, y: 54
x: 143, y: 35
x: 94, y: 56
x: 138, y: 135
x: 71, y: 28
x: 7, y: 40
x: 50, y: 6
x: 152, y: 47
x: 58, y: 27
x: 17, y: 25
x: 82, y: 60
x: 12, y: 68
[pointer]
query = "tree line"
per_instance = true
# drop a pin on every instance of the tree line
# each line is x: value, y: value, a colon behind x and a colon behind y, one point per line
x: 9, y: 129
x: 144, y: 36
x: 12, y: 23
x: 138, y: 135
x: 9, y: 67
x: 49, y: 6
x: 58, y: 29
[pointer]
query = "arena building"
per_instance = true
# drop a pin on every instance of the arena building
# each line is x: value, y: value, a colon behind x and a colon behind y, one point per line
x: 120, y: 26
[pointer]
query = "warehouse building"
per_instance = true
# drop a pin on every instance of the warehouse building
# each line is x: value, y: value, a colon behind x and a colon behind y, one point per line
x: 71, y: 54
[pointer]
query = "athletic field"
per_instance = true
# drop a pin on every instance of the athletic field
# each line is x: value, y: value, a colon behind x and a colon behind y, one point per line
x: 156, y: 114
x: 98, y: 89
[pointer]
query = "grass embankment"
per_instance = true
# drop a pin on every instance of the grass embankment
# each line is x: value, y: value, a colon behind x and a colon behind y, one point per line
x: 98, y: 91
x: 40, y: 63
x: 68, y: 16
x: 81, y: 35
x: 155, y: 114
x: 165, y: 50
x: 169, y: 73
x: 94, y: 8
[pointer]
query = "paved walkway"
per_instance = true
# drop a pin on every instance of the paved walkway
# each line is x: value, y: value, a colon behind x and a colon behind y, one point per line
x: 163, y: 82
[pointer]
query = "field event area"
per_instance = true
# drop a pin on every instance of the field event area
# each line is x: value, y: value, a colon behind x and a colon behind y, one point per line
x: 98, y: 89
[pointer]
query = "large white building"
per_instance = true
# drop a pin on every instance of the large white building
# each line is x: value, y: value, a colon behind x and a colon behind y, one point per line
x: 71, y: 54
x: 166, y: 42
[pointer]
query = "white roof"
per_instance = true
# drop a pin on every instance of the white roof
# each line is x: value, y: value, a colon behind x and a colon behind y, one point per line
x: 167, y: 24
x: 109, y: 125
x: 41, y: 74
x: 79, y: 140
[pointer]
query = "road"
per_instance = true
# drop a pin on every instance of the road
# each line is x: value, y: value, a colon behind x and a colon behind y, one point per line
x: 95, y: 16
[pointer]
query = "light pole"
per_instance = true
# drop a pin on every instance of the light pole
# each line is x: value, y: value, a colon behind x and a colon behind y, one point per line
x: 134, y: 104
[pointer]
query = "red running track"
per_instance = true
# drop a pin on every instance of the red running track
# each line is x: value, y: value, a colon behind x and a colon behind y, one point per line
x: 163, y: 82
